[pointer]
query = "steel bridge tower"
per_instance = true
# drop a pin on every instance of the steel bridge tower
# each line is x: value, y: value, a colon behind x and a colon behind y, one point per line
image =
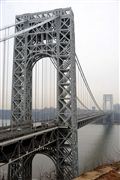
x: 54, y: 39
x: 108, y: 100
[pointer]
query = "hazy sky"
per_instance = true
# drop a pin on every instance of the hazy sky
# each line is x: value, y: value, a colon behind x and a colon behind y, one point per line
x: 96, y: 34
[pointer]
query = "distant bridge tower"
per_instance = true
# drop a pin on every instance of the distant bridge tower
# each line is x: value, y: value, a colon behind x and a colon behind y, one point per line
x: 108, y: 105
x: 107, y: 98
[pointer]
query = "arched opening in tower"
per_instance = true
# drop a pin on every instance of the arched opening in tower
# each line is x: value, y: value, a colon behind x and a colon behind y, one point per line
x: 44, y: 86
x: 43, y: 168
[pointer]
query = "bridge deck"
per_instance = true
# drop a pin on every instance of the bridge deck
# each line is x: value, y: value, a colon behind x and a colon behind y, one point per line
x: 17, y: 144
x: 26, y: 136
x: 8, y: 134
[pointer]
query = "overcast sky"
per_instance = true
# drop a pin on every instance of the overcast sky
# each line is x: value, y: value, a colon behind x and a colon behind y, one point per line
x: 96, y: 35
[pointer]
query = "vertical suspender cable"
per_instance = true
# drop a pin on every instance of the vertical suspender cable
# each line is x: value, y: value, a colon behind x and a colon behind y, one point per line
x: 44, y: 66
x: 46, y: 90
x: 1, y: 56
x: 39, y: 77
x: 40, y: 115
x: 42, y: 90
x: 78, y: 85
x: 54, y: 91
x: 38, y: 90
x: 49, y: 93
x: 7, y: 71
x: 83, y: 95
x: 77, y: 89
x: 35, y: 90
x: 54, y: 95
x: 78, y: 95
x: 3, y: 81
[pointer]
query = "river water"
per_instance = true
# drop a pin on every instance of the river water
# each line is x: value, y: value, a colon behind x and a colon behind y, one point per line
x: 97, y: 145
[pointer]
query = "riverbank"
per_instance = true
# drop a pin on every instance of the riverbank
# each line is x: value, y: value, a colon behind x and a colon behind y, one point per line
x: 105, y: 172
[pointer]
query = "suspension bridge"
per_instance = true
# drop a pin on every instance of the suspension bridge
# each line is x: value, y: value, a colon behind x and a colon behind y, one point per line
x: 45, y: 92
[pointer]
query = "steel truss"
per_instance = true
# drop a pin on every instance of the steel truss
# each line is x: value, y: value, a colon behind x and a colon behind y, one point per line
x: 54, y: 39
x: 22, y: 168
x: 19, y: 153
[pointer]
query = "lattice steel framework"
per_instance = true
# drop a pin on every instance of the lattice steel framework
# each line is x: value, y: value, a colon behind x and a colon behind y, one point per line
x: 54, y: 39
x: 107, y: 98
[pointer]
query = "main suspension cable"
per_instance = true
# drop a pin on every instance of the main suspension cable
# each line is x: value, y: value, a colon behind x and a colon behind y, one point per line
x: 86, y: 83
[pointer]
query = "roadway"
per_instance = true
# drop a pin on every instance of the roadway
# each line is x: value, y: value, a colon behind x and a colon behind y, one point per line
x: 16, y: 144
x: 7, y: 133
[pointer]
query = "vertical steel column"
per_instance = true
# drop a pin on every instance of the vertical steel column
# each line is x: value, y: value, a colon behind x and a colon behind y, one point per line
x: 20, y: 169
x: 27, y: 80
x: 28, y: 168
x: 67, y: 146
x: 60, y: 109
x: 20, y: 115
x: 73, y: 102
x: 15, y: 170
